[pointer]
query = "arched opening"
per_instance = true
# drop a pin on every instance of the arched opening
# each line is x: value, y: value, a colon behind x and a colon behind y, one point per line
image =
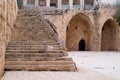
x: 53, y: 3
x: 89, y: 4
x: 82, y: 45
x: 76, y: 4
x: 79, y: 28
x: 108, y: 36
x: 65, y: 4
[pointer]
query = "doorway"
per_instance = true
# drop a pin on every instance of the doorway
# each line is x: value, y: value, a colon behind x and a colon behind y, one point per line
x: 82, y: 45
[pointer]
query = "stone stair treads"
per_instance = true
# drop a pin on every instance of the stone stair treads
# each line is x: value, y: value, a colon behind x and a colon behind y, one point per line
x: 33, y: 55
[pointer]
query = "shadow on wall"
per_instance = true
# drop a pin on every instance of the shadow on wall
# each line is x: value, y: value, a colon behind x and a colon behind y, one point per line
x: 108, y: 36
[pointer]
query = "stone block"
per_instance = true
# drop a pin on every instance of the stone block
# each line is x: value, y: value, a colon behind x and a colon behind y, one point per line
x: 6, y: 7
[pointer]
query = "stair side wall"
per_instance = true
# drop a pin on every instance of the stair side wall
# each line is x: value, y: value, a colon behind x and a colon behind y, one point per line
x: 8, y: 12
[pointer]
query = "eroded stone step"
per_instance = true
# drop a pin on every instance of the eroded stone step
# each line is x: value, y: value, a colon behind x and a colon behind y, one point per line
x: 35, y: 54
x: 38, y: 59
x: 31, y: 43
x: 34, y: 51
x: 33, y: 47
x: 70, y: 67
x: 38, y: 62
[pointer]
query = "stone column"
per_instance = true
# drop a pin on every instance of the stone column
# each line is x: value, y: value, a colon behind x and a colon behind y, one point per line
x: 47, y: 3
x: 71, y: 4
x: 81, y: 4
x: 24, y: 2
x: 59, y: 4
x: 36, y: 2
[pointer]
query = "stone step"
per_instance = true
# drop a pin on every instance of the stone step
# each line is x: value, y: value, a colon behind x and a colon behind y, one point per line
x: 35, y: 54
x: 12, y: 44
x: 34, y: 51
x: 38, y: 58
x: 38, y: 62
x: 19, y: 45
x: 32, y: 43
x: 40, y: 47
x: 69, y: 67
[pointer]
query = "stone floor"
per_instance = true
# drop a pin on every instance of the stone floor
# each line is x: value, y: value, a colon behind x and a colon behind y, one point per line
x: 105, y: 62
x: 91, y: 66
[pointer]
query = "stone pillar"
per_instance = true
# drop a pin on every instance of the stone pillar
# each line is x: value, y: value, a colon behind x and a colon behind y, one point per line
x: 71, y: 4
x: 47, y: 3
x: 36, y: 2
x: 82, y: 4
x: 24, y: 2
x: 59, y: 4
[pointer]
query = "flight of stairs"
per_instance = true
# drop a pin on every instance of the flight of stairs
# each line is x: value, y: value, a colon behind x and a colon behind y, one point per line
x: 37, y: 56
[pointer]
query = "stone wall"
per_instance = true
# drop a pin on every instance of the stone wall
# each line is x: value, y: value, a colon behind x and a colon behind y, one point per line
x: 96, y: 21
x: 118, y: 38
x: 8, y: 12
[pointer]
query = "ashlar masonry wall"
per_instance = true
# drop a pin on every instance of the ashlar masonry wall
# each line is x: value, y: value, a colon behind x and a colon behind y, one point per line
x: 8, y: 12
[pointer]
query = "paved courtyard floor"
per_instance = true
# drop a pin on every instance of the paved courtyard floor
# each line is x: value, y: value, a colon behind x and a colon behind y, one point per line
x: 107, y: 63
x: 91, y: 66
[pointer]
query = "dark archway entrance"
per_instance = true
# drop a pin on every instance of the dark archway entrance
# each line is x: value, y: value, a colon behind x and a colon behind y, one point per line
x: 82, y: 45
x: 79, y: 28
x: 108, y: 36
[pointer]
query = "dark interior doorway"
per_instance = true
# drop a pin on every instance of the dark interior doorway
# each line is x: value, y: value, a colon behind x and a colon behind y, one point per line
x: 82, y: 45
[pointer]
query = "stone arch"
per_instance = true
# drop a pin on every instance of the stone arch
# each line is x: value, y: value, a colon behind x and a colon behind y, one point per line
x: 108, y: 33
x: 79, y: 27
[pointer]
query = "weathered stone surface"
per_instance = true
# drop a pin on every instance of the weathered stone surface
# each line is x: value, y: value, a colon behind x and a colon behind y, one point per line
x: 37, y: 58
x: 76, y: 25
x: 31, y: 26
x: 8, y: 11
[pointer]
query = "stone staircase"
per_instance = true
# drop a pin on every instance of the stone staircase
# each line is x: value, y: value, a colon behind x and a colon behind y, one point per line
x: 37, y: 56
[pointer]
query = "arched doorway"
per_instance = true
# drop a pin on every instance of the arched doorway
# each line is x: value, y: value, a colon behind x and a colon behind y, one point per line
x: 108, y: 36
x: 79, y: 28
x: 82, y: 45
